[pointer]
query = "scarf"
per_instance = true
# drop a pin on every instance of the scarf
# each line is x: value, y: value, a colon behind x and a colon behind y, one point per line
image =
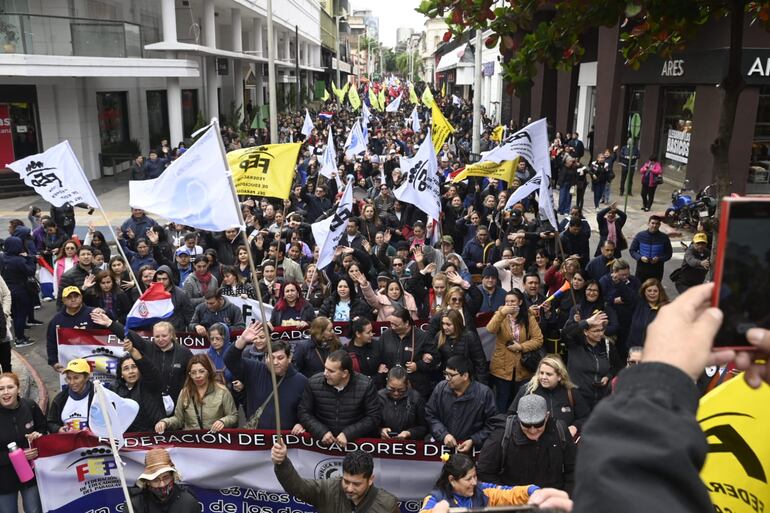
x: 612, y: 234
x: 204, y: 280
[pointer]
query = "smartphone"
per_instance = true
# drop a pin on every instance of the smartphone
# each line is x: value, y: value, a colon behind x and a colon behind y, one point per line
x: 742, y: 270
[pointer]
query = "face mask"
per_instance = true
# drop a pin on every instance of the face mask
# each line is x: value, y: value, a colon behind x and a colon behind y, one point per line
x: 164, y: 492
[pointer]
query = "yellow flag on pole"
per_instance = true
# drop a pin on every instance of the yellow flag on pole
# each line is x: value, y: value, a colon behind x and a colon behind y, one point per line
x: 413, y: 96
x: 325, y: 96
x: 373, y: 100
x: 354, y: 99
x: 440, y: 127
x: 502, y: 171
x: 381, y: 98
x: 427, y: 97
x: 266, y: 170
x: 734, y: 418
x: 443, y: 90
x: 497, y: 133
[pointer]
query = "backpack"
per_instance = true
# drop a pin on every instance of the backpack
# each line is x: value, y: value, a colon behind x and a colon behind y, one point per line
x: 506, y: 441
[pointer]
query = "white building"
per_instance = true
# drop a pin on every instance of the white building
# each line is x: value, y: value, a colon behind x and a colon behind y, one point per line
x: 102, y: 73
x: 402, y: 34
x: 431, y: 38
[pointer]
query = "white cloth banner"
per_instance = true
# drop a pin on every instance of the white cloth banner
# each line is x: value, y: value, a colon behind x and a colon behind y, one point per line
x: 56, y: 176
x: 422, y: 187
x: 365, y: 113
x: 415, y: 119
x: 121, y: 412
x: 328, y: 232
x: 194, y: 190
x: 250, y: 309
x: 355, y: 143
x: 329, y: 157
x: 307, y: 126
x: 394, y: 105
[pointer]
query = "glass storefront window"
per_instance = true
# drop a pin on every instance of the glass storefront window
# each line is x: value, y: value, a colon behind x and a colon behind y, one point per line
x: 189, y: 112
x: 112, y: 110
x: 759, y: 169
x: 678, y: 106
x: 157, y: 117
x: 634, y: 105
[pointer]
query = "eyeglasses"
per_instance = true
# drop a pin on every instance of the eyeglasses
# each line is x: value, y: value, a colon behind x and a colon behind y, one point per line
x: 524, y: 425
x: 397, y: 264
x: 449, y: 375
x: 455, y: 299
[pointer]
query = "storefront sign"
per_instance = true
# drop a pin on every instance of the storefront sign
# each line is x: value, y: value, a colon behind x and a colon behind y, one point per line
x: 678, y: 146
x: 6, y: 136
x: 672, y: 68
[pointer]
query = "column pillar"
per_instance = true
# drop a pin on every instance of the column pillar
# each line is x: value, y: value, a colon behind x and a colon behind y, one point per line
x: 258, y: 37
x: 237, y: 44
x: 237, y: 30
x: 212, y: 100
x: 260, y: 86
x: 209, y: 24
x: 174, y: 101
x: 168, y: 14
x: 275, y: 44
x: 287, y: 45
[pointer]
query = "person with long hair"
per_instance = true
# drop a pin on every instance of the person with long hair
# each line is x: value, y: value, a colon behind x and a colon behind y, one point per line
x: 461, y: 296
x: 576, y: 294
x: 199, y: 282
x: 344, y: 305
x: 96, y: 240
x: 242, y: 262
x: 551, y: 381
x: 235, y: 285
x: 388, y: 301
x: 593, y: 362
x: 138, y: 379
x: 203, y: 402
x: 592, y: 309
x: 558, y: 273
x: 106, y: 294
x: 516, y: 331
x: 458, y: 487
x: 120, y: 275
x: 292, y: 309
x: 370, y: 222
x: 454, y: 339
x: 310, y: 355
x: 314, y: 286
x: 653, y: 298
x: 66, y: 258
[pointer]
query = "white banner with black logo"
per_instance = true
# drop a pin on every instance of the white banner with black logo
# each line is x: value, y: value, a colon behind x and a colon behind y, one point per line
x: 328, y: 232
x: 422, y: 187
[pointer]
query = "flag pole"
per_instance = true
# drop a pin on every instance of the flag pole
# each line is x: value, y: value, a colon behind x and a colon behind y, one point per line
x: 118, y: 462
x: 252, y: 267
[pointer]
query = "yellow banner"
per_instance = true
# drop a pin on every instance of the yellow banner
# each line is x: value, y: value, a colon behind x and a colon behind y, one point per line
x: 502, y: 171
x: 427, y: 97
x: 354, y: 99
x: 375, y: 103
x: 266, y: 170
x: 381, y: 99
x: 413, y: 96
x: 443, y: 90
x: 497, y: 133
x: 735, y: 420
x: 440, y: 127
x: 325, y: 96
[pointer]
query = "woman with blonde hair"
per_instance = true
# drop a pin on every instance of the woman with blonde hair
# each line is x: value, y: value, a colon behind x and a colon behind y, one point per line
x: 310, y: 355
x: 552, y: 382
x: 203, y: 403
x: 517, y: 332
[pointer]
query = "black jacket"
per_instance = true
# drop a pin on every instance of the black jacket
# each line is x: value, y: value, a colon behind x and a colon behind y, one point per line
x: 181, y: 501
x: 549, y: 462
x: 395, y: 350
x: 147, y: 393
x: 309, y: 357
x: 183, y: 307
x: 14, y: 424
x: 467, y: 345
x: 464, y: 417
x: 587, y: 366
x: 407, y: 413
x: 628, y: 463
x: 358, y: 308
x: 354, y: 410
x: 367, y: 357
x: 75, y: 276
x: 568, y: 407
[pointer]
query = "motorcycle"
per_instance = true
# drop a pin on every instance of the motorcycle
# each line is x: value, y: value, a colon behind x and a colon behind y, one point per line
x: 680, y: 211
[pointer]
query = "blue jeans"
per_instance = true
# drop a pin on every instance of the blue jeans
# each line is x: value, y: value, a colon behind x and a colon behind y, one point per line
x: 565, y: 199
x: 599, y: 189
x: 30, y: 498
x: 606, y: 197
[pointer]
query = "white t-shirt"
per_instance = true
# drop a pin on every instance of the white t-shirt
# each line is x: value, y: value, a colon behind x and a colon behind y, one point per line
x: 74, y: 415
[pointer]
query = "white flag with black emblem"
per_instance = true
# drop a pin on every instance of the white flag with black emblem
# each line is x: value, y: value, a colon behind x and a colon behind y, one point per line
x: 329, y: 158
x: 422, y: 186
x: 328, y: 232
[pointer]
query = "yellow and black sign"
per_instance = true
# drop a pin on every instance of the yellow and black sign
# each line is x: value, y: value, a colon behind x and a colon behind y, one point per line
x: 266, y: 170
x: 501, y: 171
x: 735, y: 420
x: 440, y: 127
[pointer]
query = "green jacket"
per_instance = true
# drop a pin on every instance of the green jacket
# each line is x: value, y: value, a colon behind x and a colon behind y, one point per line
x: 326, y: 495
x: 218, y: 404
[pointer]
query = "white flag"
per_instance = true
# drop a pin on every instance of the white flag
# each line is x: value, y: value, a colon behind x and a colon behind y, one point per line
x: 456, y: 100
x: 355, y: 142
x: 422, y: 187
x: 415, y: 118
x: 394, y: 105
x: 365, y: 113
x: 545, y: 200
x: 194, y: 190
x: 250, y: 309
x: 329, y: 158
x: 328, y: 232
x: 56, y: 176
x: 120, y: 412
x: 307, y: 126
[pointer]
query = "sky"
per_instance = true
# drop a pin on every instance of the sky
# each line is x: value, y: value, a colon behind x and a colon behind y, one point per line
x: 393, y: 14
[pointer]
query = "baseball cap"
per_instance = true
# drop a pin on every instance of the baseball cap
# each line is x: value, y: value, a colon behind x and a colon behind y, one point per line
x: 447, y: 239
x: 383, y: 276
x: 532, y: 409
x: 700, y: 237
x: 489, y: 271
x: 70, y: 290
x: 183, y: 251
x: 78, y: 365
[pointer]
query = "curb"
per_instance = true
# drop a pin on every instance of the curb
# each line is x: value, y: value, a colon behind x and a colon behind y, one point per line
x: 42, y: 399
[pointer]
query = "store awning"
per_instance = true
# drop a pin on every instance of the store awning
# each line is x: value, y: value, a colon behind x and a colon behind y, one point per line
x: 461, y: 56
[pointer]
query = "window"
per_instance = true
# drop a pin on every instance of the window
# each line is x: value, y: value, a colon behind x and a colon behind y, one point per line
x: 157, y: 117
x: 678, y: 106
x: 189, y: 112
x: 759, y: 168
x: 112, y: 109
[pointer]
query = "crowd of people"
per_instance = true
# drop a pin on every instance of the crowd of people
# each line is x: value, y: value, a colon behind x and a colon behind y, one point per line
x: 521, y: 405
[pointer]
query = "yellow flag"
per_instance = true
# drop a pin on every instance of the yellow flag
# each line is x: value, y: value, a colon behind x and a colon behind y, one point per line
x: 497, y: 133
x: 339, y: 93
x: 382, y: 99
x: 734, y: 418
x: 427, y: 97
x: 413, y: 96
x: 443, y: 90
x: 502, y: 171
x: 266, y: 170
x: 373, y: 100
x: 354, y: 99
x: 325, y: 96
x: 440, y: 127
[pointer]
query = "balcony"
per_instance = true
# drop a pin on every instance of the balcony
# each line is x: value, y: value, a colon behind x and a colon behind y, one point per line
x: 33, y: 34
x: 328, y: 31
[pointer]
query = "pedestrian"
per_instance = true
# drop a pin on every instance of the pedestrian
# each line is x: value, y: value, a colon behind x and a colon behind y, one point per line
x: 695, y: 266
x: 651, y: 249
x: 403, y: 408
x: 158, y: 488
x: 653, y: 297
x: 611, y: 221
x: 652, y: 176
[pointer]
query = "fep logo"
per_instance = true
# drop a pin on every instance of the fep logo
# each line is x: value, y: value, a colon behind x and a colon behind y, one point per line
x: 94, y: 463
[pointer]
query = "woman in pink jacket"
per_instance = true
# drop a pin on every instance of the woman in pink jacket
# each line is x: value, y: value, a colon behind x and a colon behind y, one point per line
x: 393, y: 297
x: 650, y: 172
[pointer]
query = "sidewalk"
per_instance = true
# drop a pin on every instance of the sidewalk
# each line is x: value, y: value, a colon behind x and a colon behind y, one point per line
x: 32, y: 385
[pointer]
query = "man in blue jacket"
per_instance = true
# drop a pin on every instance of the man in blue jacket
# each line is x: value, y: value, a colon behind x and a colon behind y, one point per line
x: 255, y: 376
x: 651, y: 249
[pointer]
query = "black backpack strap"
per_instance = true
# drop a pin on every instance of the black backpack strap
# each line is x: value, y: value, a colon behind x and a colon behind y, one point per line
x: 506, y: 441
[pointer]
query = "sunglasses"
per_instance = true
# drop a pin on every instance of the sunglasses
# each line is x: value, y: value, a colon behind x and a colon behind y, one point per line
x: 524, y: 425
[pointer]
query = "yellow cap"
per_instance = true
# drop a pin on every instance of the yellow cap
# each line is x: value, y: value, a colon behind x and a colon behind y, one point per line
x: 69, y: 290
x: 700, y: 237
x: 79, y: 365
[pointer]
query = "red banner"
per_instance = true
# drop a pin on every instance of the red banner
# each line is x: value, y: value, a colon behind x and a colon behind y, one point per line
x: 7, y: 154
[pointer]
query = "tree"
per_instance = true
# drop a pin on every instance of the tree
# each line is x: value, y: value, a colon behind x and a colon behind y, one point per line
x: 535, y: 31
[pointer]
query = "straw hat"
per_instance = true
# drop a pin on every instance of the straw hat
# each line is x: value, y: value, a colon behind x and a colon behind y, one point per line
x: 156, y: 462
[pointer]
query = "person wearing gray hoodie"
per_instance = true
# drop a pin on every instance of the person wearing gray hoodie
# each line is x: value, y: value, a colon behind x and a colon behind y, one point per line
x: 183, y: 308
